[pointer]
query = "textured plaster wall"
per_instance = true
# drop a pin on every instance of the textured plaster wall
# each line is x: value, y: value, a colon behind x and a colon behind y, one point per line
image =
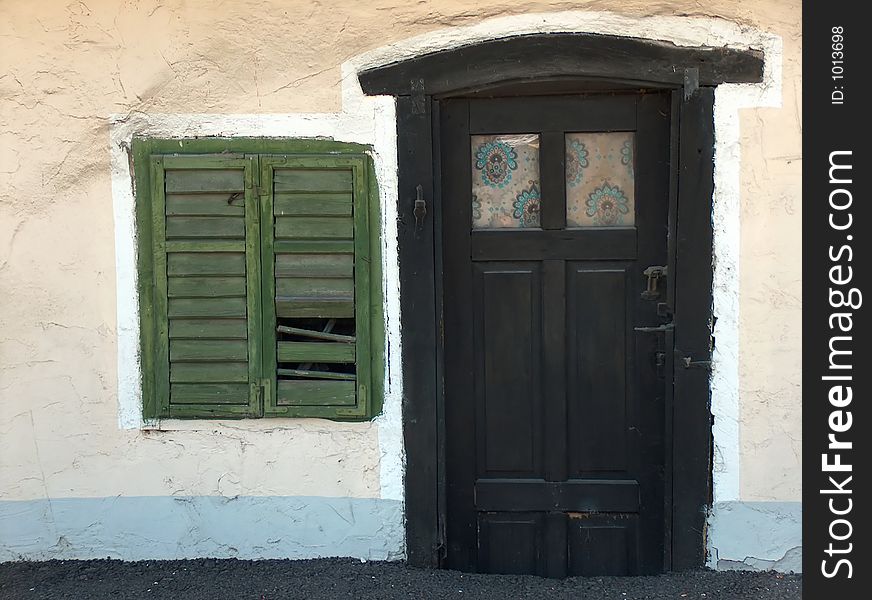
x: 770, y: 364
x: 65, y: 67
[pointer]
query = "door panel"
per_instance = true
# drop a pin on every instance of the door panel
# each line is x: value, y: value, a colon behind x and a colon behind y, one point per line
x: 602, y: 545
x: 554, y: 405
x: 596, y: 316
x: 507, y: 348
x: 511, y: 543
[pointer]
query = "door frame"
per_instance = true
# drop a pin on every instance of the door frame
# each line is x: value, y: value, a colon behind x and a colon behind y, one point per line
x: 563, y: 62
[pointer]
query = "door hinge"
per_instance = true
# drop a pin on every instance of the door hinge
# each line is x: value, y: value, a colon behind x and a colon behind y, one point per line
x: 419, y: 101
x: 256, y: 390
x: 265, y: 392
x: 691, y: 82
x: 252, y: 179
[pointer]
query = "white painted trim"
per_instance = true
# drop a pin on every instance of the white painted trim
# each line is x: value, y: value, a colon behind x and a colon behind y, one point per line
x: 371, y: 121
x: 363, y: 120
x: 729, y: 100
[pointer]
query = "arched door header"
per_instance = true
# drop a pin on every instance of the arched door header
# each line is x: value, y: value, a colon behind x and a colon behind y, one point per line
x: 562, y: 55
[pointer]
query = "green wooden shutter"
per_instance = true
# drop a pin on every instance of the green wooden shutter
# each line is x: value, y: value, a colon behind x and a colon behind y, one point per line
x: 206, y: 262
x: 317, y: 269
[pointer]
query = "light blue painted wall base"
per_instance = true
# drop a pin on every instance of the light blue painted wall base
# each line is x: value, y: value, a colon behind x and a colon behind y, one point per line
x: 159, y: 527
x: 741, y: 535
x: 755, y: 536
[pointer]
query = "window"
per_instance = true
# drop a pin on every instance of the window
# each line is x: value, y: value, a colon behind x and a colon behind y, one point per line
x: 259, y: 279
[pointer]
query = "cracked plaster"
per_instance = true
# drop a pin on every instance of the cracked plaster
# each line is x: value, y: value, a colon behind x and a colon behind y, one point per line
x: 756, y: 536
x: 262, y: 527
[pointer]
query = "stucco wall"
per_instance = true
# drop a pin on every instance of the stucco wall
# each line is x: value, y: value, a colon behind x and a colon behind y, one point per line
x: 73, y: 72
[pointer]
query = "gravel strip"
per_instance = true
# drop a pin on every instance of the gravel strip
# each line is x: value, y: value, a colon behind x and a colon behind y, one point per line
x: 346, y: 578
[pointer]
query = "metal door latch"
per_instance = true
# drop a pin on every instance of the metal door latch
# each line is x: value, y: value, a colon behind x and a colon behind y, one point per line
x: 420, y: 210
x: 419, y: 101
x: 654, y: 275
x: 688, y: 363
x: 657, y: 329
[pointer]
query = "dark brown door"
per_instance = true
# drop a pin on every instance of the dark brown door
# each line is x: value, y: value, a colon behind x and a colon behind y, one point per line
x: 553, y: 208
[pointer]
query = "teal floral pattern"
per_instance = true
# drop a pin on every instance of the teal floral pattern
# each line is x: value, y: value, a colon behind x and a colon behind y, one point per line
x: 576, y: 161
x: 600, y: 191
x: 526, y: 206
x: 496, y: 160
x: 627, y: 153
x: 505, y: 181
x: 607, y: 205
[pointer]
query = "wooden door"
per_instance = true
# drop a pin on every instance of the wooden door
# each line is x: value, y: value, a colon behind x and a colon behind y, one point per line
x: 555, y: 393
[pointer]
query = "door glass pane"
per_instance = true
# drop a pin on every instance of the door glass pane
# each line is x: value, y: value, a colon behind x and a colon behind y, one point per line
x: 599, y: 179
x: 505, y: 181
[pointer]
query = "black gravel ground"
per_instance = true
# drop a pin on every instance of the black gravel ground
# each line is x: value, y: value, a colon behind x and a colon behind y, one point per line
x: 344, y: 578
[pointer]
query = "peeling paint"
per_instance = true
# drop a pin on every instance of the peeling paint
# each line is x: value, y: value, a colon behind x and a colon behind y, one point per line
x: 790, y: 562
x: 756, y: 535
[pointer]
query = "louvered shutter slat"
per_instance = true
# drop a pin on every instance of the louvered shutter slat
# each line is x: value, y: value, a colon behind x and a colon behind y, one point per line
x: 205, y: 238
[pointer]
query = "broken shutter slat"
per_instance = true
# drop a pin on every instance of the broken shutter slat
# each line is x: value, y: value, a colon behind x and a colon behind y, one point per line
x: 317, y: 275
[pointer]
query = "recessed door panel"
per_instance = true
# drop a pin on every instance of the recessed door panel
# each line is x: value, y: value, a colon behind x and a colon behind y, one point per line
x: 508, y: 346
x: 511, y: 542
x: 602, y: 545
x: 597, y: 345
